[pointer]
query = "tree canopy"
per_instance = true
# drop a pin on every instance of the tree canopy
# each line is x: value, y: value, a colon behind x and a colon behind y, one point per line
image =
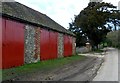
x: 113, y: 38
x: 94, y: 22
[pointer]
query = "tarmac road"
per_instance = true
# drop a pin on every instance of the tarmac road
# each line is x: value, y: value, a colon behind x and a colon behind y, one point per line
x: 109, y: 69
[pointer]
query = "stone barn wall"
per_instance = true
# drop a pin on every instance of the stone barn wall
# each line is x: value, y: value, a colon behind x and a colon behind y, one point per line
x: 73, y: 45
x: 60, y: 45
x: 32, y: 44
x: 22, y: 36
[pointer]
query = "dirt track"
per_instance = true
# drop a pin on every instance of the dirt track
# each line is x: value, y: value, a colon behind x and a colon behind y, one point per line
x: 86, y: 69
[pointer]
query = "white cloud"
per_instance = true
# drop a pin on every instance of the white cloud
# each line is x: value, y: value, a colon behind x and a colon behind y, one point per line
x: 114, y: 2
x: 60, y: 11
x: 119, y: 5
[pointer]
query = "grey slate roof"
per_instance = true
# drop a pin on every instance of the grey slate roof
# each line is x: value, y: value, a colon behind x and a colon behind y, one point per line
x: 20, y: 11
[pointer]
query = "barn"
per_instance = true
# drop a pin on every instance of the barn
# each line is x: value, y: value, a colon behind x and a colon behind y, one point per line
x: 29, y: 36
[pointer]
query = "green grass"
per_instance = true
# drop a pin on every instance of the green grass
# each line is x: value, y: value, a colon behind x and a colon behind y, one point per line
x: 0, y: 75
x: 39, y: 66
x: 98, y: 51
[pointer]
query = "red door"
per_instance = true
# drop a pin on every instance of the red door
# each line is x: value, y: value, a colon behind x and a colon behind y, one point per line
x: 48, y: 45
x: 13, y: 44
x: 53, y: 45
x: 44, y: 45
x: 70, y: 45
x: 2, y: 28
x: 67, y: 46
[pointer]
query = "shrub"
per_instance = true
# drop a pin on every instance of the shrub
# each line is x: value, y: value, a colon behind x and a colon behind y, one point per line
x: 113, y: 38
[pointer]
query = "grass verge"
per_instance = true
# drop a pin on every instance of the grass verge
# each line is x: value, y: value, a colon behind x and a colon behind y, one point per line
x: 0, y: 75
x: 39, y: 66
x: 98, y: 51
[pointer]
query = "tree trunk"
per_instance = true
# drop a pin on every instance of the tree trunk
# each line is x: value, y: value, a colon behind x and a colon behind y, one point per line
x: 115, y: 25
x: 97, y: 46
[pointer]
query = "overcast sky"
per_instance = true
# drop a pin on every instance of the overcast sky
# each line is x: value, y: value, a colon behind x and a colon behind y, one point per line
x: 61, y: 11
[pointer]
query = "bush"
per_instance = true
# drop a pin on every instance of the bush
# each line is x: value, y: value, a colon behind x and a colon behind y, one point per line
x: 113, y: 38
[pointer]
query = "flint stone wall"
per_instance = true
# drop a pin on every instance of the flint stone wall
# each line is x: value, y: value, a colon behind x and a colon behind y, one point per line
x: 37, y: 44
x: 73, y: 45
x: 30, y: 44
x: 60, y: 45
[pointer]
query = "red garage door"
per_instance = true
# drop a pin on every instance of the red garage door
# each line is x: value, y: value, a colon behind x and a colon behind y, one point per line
x: 70, y: 45
x: 1, y: 31
x: 53, y: 45
x: 13, y: 44
x: 44, y: 45
x: 67, y: 45
x: 48, y: 45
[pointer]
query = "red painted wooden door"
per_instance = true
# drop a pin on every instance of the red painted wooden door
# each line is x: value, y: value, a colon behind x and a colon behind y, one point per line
x: 67, y: 46
x: 44, y: 45
x: 53, y: 45
x: 70, y: 45
x: 48, y: 45
x: 2, y: 22
x: 13, y: 44
x: 66, y: 49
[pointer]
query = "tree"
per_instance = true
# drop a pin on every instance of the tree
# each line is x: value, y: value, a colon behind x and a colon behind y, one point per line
x: 80, y: 37
x: 113, y: 37
x: 115, y: 19
x: 94, y: 21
